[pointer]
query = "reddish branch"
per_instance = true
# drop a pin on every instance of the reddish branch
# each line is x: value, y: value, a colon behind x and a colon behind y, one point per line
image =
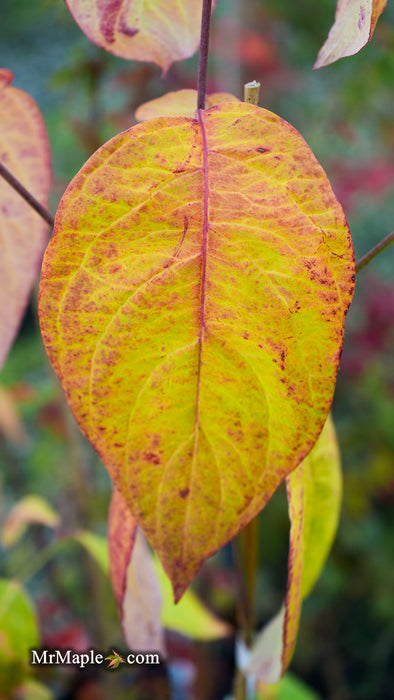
x: 374, y: 251
x: 27, y: 196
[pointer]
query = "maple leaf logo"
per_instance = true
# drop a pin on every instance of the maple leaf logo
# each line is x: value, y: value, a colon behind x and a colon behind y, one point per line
x: 114, y: 659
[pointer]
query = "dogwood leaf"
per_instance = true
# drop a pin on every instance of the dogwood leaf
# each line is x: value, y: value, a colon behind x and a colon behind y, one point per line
x: 161, y: 31
x: 192, y: 302
x: 24, y: 151
x: 355, y: 22
x: 180, y: 103
x: 314, y: 493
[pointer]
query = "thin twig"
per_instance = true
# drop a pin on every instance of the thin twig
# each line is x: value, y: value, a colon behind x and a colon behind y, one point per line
x: 203, y: 58
x: 245, y: 559
x: 27, y: 196
x: 252, y: 92
x: 374, y: 252
x: 245, y: 547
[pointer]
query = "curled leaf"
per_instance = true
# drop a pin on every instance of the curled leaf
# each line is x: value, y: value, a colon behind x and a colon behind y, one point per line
x: 135, y: 584
x: 143, y: 591
x: 24, y: 151
x: 355, y: 22
x: 181, y: 103
x: 142, y: 601
x: 122, y: 531
x: 314, y: 492
x: 29, y: 510
x: 192, y: 302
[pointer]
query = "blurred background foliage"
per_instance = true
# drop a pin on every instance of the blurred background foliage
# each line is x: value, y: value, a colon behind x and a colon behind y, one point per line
x: 345, y: 113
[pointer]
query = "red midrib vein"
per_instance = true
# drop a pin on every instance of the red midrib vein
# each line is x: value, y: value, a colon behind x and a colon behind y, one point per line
x: 204, y: 253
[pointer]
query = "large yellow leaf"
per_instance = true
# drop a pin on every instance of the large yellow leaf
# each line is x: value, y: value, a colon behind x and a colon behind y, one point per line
x: 161, y: 31
x: 192, y: 302
x: 314, y: 493
x: 355, y: 22
x: 24, y: 150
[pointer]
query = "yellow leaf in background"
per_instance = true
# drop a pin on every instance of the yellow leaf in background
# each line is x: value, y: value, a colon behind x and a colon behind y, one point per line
x: 33, y: 690
x: 314, y: 493
x: 321, y: 496
x: 190, y: 616
x: 181, y: 103
x: 29, y: 510
x: 192, y: 302
x: 288, y: 688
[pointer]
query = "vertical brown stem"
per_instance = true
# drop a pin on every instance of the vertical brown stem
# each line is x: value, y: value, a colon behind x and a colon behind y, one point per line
x: 203, y: 59
x: 245, y: 556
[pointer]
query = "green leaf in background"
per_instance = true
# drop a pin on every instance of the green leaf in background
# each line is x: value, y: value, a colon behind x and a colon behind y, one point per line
x: 190, y: 616
x: 33, y: 690
x: 322, y: 494
x: 314, y: 492
x: 96, y: 545
x: 289, y: 688
x: 18, y: 634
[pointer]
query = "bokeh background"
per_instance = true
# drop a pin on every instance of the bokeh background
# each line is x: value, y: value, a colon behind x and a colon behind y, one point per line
x: 345, y: 113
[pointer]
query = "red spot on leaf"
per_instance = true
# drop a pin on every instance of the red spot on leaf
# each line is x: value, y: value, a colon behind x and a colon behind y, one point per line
x: 108, y: 11
x: 152, y: 457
